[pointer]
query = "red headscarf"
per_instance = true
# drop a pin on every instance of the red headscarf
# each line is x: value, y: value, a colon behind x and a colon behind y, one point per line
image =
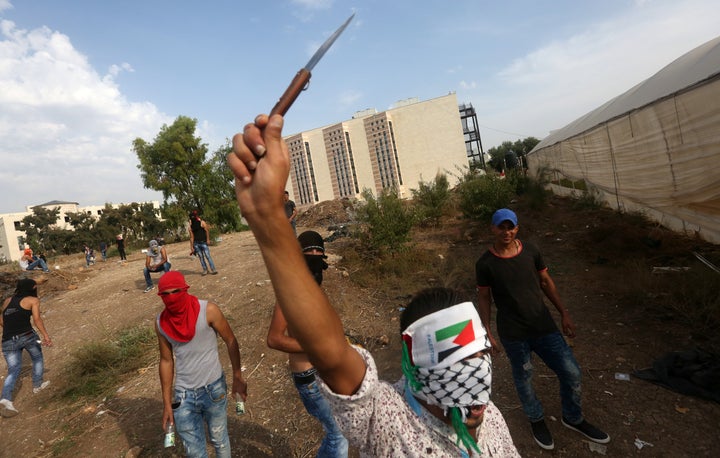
x: 181, y: 309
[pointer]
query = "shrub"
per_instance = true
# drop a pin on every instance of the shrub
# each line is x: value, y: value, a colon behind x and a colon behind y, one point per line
x: 97, y: 367
x: 431, y: 199
x: 387, y: 221
x: 481, y: 195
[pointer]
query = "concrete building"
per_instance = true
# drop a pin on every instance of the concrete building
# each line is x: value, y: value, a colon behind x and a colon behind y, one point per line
x: 400, y: 147
x: 11, y: 237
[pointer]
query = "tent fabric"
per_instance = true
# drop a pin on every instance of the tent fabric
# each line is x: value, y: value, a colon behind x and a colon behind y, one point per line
x: 653, y: 149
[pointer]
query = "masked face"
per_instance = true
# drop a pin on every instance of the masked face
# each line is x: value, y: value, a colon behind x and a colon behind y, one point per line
x: 463, y: 384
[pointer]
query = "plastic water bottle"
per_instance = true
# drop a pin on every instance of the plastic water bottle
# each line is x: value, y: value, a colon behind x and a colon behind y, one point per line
x: 170, y: 436
x: 239, y: 405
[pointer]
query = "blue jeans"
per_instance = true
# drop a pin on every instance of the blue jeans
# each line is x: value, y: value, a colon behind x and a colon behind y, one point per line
x: 164, y: 268
x: 558, y: 356
x: 38, y: 262
x: 203, y: 252
x: 199, y: 407
x: 334, y: 443
x: 12, y: 350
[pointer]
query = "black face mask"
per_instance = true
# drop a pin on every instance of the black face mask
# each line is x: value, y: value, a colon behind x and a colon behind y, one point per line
x: 26, y: 287
x: 316, y: 263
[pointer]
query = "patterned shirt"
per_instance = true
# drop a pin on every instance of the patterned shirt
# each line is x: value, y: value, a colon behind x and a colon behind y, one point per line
x: 379, y: 421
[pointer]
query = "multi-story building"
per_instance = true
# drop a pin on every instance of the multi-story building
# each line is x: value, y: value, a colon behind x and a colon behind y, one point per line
x: 11, y: 237
x: 400, y: 147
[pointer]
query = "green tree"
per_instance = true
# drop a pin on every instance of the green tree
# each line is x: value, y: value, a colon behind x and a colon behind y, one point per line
x: 431, y: 199
x: 36, y: 228
x: 387, y: 219
x: 519, y: 147
x: 480, y: 195
x: 175, y: 164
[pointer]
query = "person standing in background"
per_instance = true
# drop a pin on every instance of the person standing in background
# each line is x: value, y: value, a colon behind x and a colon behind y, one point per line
x: 121, y: 247
x: 290, y: 211
x: 199, y: 237
x: 103, y: 250
x: 18, y: 335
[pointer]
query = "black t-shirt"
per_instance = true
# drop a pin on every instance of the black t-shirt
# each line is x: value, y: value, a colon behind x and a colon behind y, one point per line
x: 16, y: 320
x: 515, y: 285
x: 199, y: 234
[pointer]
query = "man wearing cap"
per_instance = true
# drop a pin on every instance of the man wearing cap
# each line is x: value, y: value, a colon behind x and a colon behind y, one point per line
x: 280, y: 338
x: 515, y: 276
x: 155, y: 261
x: 187, y: 329
x: 441, y: 408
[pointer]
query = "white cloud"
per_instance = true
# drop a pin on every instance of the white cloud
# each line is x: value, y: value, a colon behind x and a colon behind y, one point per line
x: 561, y: 80
x: 66, y: 132
x: 349, y: 98
x: 468, y: 85
x: 314, y: 4
x: 5, y: 5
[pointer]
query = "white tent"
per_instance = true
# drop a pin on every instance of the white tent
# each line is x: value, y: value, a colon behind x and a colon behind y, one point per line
x: 654, y: 149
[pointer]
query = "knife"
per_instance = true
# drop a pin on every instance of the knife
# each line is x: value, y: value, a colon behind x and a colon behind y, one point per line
x: 302, y: 78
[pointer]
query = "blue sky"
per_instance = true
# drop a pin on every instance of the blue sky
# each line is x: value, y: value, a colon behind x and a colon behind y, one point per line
x: 81, y: 79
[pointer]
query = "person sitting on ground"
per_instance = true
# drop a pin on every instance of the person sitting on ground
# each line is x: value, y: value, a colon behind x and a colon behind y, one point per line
x: 443, y: 336
x: 18, y: 335
x: 187, y: 331
x: 155, y: 261
x: 31, y: 262
x: 280, y: 338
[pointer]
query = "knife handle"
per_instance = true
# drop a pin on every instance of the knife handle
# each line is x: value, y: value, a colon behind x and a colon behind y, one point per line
x: 298, y: 84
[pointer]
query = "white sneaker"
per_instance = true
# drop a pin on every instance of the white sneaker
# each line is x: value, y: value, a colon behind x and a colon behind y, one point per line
x: 41, y: 387
x: 7, y: 409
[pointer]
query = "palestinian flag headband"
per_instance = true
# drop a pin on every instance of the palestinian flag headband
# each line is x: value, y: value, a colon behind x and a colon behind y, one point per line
x: 438, y: 340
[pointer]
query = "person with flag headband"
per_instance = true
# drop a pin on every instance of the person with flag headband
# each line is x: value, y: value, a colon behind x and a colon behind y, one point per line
x: 443, y: 337
x: 187, y: 331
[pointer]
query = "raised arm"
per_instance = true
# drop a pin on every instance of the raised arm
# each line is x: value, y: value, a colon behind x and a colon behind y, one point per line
x: 277, y: 337
x: 261, y: 166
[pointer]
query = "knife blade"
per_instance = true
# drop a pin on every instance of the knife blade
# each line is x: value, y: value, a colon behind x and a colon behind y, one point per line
x: 302, y: 78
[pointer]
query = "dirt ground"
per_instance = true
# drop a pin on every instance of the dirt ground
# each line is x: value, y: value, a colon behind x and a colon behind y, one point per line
x: 615, y: 335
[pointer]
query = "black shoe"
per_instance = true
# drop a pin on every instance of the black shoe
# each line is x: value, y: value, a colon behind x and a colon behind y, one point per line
x: 589, y: 431
x: 542, y: 434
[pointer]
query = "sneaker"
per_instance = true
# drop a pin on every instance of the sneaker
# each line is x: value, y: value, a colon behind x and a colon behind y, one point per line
x: 204, y: 272
x: 542, y: 435
x: 41, y: 387
x: 7, y: 409
x: 589, y: 431
x: 148, y: 289
x: 214, y: 272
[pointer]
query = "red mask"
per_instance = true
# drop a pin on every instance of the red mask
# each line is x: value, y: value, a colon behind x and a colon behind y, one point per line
x: 180, y: 316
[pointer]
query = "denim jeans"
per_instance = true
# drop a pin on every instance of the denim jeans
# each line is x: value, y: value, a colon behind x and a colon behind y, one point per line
x: 38, y: 262
x: 148, y: 281
x: 334, y: 443
x: 12, y: 350
x: 558, y: 356
x: 199, y: 407
x: 203, y: 252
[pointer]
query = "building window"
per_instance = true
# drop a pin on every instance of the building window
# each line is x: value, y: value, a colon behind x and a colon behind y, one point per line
x: 17, y: 225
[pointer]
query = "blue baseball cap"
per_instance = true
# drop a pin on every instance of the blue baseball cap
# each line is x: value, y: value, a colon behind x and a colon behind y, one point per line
x: 504, y: 214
